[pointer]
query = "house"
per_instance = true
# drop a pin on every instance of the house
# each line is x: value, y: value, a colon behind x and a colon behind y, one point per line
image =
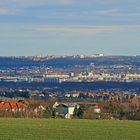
x: 13, y: 106
x: 65, y: 109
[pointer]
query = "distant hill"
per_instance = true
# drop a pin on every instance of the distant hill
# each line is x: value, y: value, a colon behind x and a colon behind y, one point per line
x: 69, y: 61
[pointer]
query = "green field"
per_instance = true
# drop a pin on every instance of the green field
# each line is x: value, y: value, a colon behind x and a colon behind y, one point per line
x: 54, y: 129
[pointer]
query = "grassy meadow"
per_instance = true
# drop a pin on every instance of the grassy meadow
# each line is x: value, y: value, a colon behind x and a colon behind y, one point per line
x: 60, y: 129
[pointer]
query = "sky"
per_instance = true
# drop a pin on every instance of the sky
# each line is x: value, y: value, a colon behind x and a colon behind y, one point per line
x: 69, y: 27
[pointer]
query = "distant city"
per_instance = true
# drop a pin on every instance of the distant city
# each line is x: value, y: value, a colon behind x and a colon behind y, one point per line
x: 76, y: 68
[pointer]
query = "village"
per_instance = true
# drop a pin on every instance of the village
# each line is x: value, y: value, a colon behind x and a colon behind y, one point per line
x: 51, y: 108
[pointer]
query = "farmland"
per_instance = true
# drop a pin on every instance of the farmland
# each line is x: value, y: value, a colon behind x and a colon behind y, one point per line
x: 59, y: 129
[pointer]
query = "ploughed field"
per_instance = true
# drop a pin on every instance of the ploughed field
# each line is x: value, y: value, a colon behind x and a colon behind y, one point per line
x: 60, y: 129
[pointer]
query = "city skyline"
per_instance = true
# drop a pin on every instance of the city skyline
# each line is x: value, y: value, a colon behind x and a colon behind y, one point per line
x: 68, y: 27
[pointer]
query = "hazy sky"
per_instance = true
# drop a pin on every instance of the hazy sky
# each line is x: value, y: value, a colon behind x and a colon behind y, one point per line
x: 34, y: 27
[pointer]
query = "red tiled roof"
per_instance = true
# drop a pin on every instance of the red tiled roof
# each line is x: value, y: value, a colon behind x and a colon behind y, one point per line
x: 6, y: 105
x: 12, y: 105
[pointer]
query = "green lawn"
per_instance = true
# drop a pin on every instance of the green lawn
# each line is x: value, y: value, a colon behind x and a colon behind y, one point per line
x: 54, y: 129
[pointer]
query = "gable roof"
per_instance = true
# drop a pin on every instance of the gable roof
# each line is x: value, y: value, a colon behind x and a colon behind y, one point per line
x: 12, y: 105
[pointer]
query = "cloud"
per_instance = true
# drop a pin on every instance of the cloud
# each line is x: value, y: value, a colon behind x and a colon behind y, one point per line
x: 90, y: 30
x: 6, y: 11
x: 118, y: 13
x: 129, y: 14
x: 41, y: 31
x: 35, y: 2
x: 109, y: 11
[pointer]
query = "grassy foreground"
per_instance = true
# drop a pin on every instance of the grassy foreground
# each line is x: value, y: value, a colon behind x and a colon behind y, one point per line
x: 53, y: 129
